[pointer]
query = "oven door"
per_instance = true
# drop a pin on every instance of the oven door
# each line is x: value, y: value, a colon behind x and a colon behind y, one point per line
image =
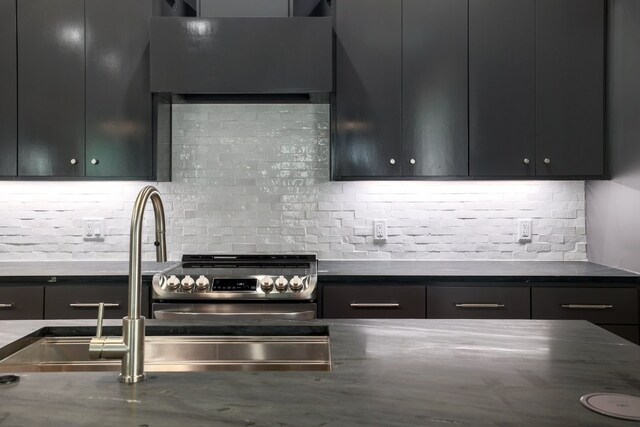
x: 209, y: 311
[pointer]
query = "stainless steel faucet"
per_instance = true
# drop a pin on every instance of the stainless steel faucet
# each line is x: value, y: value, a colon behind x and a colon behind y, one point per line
x: 130, y: 346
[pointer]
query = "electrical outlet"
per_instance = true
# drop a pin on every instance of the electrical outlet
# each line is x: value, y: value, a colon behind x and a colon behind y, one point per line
x: 524, y: 230
x: 93, y: 228
x: 380, y: 230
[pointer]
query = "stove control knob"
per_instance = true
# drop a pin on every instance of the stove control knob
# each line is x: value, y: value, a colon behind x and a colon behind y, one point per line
x: 281, y: 284
x: 296, y: 284
x: 172, y: 283
x: 266, y: 284
x: 187, y: 283
x: 202, y: 284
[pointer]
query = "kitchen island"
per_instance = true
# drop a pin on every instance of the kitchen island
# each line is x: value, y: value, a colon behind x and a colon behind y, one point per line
x: 385, y: 372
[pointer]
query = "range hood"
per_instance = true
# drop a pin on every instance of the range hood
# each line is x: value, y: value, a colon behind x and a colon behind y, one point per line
x: 242, y: 57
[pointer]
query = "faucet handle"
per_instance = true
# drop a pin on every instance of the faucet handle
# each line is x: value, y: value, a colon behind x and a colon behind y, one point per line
x: 100, y: 320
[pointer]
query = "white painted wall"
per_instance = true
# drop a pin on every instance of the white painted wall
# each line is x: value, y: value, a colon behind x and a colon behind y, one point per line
x: 613, y: 206
x: 255, y: 178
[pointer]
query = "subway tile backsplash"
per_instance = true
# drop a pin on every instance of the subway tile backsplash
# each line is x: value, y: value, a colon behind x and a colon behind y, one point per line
x: 255, y: 178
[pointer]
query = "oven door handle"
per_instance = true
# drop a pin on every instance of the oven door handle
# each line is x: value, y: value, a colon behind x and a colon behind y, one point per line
x: 177, y: 314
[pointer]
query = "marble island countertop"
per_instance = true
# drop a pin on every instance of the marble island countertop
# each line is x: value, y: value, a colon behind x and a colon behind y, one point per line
x: 385, y: 372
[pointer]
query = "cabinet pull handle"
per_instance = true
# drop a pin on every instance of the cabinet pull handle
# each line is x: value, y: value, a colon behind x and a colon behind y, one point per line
x: 100, y: 320
x: 94, y: 305
x: 465, y: 305
x: 587, y: 306
x: 9, y: 305
x: 374, y: 305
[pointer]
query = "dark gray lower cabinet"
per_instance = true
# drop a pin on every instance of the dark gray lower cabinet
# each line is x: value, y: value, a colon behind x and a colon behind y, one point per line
x: 373, y: 302
x: 614, y: 309
x: 502, y: 88
x: 613, y: 306
x: 21, y: 302
x: 628, y: 332
x: 51, y: 88
x: 118, y: 97
x: 570, y: 49
x: 478, y: 302
x: 8, y: 89
x: 80, y: 301
x: 434, y: 88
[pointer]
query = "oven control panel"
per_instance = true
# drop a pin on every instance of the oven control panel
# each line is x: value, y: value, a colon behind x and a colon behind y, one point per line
x: 236, y: 285
x: 239, y: 277
x: 173, y: 286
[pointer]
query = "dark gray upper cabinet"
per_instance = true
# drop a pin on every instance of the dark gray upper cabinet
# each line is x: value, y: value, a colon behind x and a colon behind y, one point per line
x: 241, y: 55
x: 51, y: 88
x: 8, y: 83
x: 244, y: 8
x: 401, y: 89
x: 570, y: 87
x: 434, y: 88
x: 119, y: 103
x: 502, y: 88
x: 368, y: 102
x: 84, y: 104
x: 505, y: 88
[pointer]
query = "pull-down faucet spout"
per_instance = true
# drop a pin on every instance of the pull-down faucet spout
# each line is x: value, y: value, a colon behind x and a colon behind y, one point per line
x: 130, y: 346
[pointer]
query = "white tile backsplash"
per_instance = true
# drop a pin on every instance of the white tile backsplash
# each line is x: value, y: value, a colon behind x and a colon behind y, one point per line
x: 250, y: 178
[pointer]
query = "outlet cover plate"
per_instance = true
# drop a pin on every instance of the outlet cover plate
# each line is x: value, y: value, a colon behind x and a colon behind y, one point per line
x: 379, y: 230
x: 93, y: 229
x: 524, y: 230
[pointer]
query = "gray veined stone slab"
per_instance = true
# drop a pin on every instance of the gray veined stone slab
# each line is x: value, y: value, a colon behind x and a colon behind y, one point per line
x: 385, y: 372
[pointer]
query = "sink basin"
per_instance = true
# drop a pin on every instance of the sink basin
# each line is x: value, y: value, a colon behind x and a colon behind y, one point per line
x: 178, y: 349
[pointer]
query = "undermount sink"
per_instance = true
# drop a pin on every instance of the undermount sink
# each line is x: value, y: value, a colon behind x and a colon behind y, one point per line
x: 178, y: 349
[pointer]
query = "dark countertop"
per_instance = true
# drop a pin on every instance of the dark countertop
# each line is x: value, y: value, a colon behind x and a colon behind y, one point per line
x: 386, y: 372
x: 472, y: 270
x: 348, y: 270
x: 47, y: 269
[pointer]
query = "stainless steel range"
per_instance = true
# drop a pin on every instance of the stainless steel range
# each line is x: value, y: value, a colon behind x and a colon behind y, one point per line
x: 237, y: 286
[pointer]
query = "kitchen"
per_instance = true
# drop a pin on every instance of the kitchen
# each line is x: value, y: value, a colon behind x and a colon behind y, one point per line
x: 460, y: 225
